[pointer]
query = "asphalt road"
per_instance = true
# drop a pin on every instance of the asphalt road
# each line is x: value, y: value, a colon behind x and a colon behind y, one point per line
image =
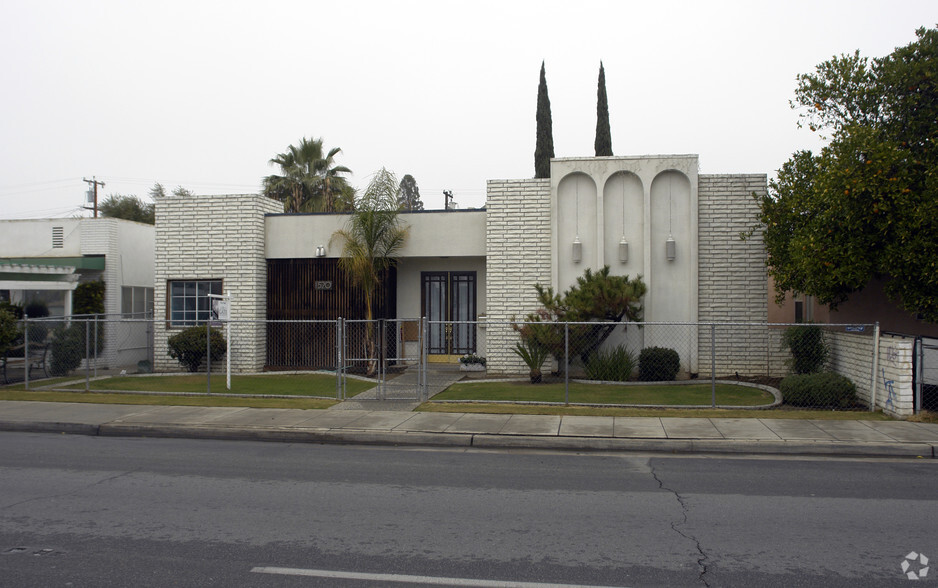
x: 94, y: 511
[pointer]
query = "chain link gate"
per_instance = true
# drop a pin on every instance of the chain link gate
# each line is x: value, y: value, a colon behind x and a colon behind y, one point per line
x: 391, y: 352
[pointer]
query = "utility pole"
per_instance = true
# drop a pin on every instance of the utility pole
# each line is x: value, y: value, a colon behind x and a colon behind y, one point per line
x: 94, y: 182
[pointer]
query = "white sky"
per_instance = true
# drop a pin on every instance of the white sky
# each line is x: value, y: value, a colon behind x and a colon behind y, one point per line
x: 203, y: 94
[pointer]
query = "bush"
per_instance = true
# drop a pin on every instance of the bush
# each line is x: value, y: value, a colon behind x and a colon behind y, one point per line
x: 67, y: 348
x: 188, y: 347
x: 809, y: 349
x: 820, y: 390
x: 533, y: 355
x: 658, y: 364
x: 614, y: 365
x: 36, y: 309
x: 9, y: 330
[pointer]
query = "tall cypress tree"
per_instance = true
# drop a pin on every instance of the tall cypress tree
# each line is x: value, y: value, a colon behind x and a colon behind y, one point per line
x: 603, y: 143
x: 544, y: 148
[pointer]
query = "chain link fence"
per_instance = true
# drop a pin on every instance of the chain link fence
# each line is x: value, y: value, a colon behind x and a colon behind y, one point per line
x: 79, y: 345
x: 815, y: 366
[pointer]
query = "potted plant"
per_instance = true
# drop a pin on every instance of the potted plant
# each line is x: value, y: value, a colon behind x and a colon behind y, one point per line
x: 471, y: 363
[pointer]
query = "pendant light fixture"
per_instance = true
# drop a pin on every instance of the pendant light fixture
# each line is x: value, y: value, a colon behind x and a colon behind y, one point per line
x: 577, y: 246
x: 670, y: 247
x: 623, y: 244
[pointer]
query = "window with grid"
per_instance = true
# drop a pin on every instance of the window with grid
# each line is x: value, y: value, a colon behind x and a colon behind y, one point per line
x: 189, y: 303
x: 136, y: 302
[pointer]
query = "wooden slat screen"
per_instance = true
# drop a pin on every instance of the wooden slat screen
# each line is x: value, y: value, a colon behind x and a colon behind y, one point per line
x: 292, y: 295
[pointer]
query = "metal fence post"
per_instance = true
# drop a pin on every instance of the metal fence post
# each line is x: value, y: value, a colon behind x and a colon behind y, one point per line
x: 208, y: 358
x: 96, y: 345
x: 919, y: 362
x: 424, y: 352
x: 874, y: 377
x: 713, y: 365
x: 87, y: 355
x: 380, y: 354
x: 26, y: 347
x: 566, y: 363
x: 338, y: 359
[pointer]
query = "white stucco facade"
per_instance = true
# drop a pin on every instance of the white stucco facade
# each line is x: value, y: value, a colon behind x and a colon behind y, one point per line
x: 523, y: 237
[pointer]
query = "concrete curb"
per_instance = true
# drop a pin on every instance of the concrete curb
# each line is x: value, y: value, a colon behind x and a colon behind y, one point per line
x: 286, y: 435
x: 31, y: 427
x: 483, y: 441
x: 713, y: 446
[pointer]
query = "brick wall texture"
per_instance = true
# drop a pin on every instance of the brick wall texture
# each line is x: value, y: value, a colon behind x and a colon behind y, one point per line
x: 215, y: 238
x: 852, y: 356
x: 732, y: 284
x: 518, y: 250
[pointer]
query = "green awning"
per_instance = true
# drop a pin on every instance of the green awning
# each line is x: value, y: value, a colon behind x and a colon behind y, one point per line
x: 85, y: 262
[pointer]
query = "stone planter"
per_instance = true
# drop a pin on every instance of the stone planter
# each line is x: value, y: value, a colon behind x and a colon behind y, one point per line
x: 471, y: 367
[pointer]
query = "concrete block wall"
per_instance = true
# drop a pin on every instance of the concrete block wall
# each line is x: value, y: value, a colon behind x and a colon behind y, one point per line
x: 215, y: 238
x: 99, y: 237
x: 852, y: 356
x: 732, y: 278
x: 518, y: 255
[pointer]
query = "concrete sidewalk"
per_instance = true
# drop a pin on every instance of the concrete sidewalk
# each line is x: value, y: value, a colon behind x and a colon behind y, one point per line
x: 583, y: 433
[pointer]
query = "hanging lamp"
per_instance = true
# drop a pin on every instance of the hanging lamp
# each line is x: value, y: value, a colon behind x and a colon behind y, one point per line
x: 670, y: 247
x: 623, y: 244
x: 577, y: 245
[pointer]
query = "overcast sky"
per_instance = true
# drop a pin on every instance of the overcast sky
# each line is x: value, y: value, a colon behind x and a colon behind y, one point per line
x: 203, y: 94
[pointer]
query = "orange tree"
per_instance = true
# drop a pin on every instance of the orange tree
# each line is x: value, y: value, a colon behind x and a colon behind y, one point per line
x: 867, y: 205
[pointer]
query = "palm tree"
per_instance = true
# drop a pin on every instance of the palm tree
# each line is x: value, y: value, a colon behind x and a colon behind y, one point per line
x: 309, y: 181
x: 371, y: 240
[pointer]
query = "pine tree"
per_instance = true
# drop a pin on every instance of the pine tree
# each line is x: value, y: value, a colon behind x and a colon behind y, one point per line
x: 544, y: 148
x: 603, y: 143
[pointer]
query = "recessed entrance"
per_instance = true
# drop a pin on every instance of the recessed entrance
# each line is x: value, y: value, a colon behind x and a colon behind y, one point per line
x: 448, y: 301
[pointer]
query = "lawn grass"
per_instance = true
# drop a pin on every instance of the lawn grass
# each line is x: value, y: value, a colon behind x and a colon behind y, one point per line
x: 707, y: 413
x: 163, y: 400
x: 273, y: 384
x: 676, y: 395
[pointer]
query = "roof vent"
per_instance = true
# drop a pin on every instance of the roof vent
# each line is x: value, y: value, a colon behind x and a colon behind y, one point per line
x: 58, y: 237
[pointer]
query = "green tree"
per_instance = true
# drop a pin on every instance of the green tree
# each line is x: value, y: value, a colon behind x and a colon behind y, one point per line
x: 597, y: 297
x: 310, y: 180
x: 158, y: 191
x: 866, y: 206
x: 544, y: 147
x: 409, y: 197
x: 603, y: 143
x: 128, y: 208
x: 371, y: 241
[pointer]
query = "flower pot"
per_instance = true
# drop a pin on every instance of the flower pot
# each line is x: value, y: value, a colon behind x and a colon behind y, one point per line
x: 471, y: 367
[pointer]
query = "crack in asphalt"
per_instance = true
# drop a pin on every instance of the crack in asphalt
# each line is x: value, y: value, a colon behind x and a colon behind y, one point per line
x: 702, y: 560
x: 70, y: 492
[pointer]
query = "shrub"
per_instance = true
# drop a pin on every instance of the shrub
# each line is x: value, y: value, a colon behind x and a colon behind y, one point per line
x: 658, y: 364
x: 36, y: 309
x: 67, y: 348
x: 820, y: 390
x: 534, y: 356
x: 613, y: 365
x: 809, y: 349
x: 8, y: 330
x: 188, y: 347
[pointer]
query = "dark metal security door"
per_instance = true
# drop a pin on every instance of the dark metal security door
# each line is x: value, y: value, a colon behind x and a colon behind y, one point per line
x: 449, y: 303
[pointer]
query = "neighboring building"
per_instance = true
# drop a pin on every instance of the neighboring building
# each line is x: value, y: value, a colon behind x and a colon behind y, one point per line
x: 680, y: 232
x: 868, y: 306
x: 45, y: 260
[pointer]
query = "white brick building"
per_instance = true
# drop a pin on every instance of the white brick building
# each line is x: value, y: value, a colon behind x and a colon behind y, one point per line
x: 478, y: 265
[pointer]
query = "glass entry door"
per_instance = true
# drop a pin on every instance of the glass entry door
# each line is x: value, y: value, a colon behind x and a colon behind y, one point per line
x: 449, y: 303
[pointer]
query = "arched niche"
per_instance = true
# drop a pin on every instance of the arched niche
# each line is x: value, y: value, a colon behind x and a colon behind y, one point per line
x: 671, y: 286
x: 576, y: 217
x: 624, y: 216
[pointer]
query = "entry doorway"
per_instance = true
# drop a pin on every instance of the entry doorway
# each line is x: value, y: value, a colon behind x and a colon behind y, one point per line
x: 448, y: 300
